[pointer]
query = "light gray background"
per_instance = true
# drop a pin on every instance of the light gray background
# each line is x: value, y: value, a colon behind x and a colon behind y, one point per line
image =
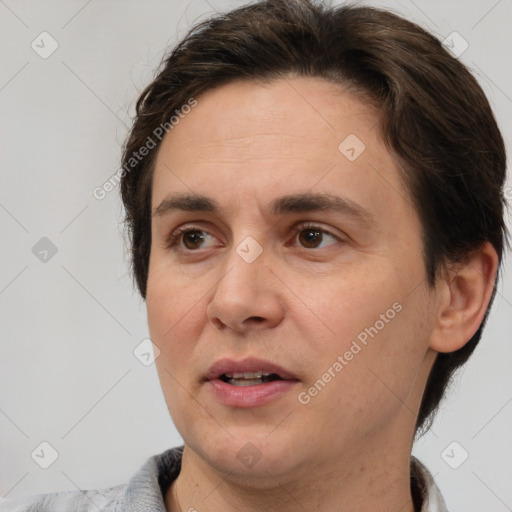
x: 68, y: 375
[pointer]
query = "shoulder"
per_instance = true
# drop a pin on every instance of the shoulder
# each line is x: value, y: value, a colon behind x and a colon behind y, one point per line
x: 78, y: 501
x: 143, y: 492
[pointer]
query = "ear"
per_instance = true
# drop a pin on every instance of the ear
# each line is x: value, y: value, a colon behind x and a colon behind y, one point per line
x: 464, y: 294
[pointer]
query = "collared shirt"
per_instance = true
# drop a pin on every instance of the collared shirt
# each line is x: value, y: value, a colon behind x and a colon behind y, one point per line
x: 146, y: 490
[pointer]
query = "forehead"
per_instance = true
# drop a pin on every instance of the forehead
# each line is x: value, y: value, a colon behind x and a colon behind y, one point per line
x: 242, y: 118
x: 291, y: 135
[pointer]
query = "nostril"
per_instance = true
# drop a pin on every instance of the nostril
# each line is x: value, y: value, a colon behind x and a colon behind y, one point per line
x: 217, y: 323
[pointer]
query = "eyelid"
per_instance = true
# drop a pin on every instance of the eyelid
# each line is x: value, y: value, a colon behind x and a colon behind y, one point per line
x: 174, y: 237
x: 313, y: 225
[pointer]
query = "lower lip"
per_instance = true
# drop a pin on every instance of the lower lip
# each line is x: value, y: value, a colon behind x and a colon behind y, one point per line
x: 250, y: 396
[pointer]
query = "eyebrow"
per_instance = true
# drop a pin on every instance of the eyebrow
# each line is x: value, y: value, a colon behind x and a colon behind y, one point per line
x: 295, y: 203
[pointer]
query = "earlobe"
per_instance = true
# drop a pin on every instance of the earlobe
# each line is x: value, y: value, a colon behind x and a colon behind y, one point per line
x: 466, y: 290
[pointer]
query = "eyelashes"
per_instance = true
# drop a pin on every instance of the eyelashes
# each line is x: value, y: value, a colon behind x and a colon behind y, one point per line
x: 191, y: 236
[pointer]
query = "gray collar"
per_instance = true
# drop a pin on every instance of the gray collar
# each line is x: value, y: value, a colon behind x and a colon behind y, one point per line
x: 145, y: 491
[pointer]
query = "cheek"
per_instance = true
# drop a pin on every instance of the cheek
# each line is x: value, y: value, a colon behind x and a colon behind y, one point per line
x: 174, y: 308
x: 350, y: 300
x: 375, y: 324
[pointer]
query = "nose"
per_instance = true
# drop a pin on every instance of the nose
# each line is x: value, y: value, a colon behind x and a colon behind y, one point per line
x: 247, y: 296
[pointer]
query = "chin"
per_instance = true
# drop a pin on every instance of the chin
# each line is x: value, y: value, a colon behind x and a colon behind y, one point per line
x: 249, y: 455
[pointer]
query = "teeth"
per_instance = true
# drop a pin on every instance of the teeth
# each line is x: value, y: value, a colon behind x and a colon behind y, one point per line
x: 247, y: 378
x: 247, y: 375
x: 245, y: 382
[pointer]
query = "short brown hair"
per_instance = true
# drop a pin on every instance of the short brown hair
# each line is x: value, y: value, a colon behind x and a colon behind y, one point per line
x: 435, y: 120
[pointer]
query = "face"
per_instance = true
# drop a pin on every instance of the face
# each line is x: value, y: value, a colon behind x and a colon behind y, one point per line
x: 281, y: 245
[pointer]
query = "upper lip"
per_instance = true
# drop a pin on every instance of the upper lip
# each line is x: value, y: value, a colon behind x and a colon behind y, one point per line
x: 250, y: 364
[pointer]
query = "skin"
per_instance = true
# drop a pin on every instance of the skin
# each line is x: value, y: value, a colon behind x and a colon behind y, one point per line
x: 299, y: 305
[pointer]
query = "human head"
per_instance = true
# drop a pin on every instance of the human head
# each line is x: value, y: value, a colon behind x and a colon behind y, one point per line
x: 434, y: 119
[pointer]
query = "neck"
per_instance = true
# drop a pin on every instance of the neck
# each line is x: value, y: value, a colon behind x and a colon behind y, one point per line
x: 382, y: 483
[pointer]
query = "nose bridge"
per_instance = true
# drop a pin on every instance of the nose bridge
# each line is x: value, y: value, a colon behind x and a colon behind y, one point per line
x: 244, y: 293
x: 249, y: 250
x: 243, y: 278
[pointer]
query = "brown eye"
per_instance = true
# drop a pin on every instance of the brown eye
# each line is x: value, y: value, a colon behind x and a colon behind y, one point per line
x: 189, y: 239
x: 314, y: 237
x: 310, y: 238
x: 192, y: 239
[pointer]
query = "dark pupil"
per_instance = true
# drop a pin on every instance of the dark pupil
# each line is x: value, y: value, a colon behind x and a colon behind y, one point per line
x: 311, y: 237
x: 194, y: 237
x: 308, y: 237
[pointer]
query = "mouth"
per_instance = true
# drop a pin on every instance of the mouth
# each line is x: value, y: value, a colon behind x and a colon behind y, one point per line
x: 248, y: 383
x: 249, y: 378
x: 248, y: 372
